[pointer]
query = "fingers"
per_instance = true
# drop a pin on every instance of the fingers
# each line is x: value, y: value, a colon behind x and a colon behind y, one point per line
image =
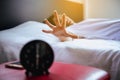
x: 72, y: 35
x: 75, y: 36
x: 64, y: 20
x: 49, y: 24
x: 47, y: 31
x: 56, y: 18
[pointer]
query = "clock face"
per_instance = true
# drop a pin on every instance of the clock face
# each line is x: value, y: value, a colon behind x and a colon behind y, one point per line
x: 36, y: 55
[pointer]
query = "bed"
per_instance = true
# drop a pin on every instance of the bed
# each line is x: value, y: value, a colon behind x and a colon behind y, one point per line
x: 100, y: 48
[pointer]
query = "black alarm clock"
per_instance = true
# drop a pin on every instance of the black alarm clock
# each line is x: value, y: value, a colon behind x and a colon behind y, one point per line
x: 36, y: 57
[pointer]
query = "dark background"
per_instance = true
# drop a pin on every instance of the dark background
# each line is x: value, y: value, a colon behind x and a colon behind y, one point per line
x: 8, y: 14
x: 15, y: 12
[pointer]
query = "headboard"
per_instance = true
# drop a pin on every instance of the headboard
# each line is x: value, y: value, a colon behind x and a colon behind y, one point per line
x: 102, y: 9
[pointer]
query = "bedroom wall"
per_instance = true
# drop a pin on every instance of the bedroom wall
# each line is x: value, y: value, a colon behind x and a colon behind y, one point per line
x: 102, y: 9
x: 14, y: 12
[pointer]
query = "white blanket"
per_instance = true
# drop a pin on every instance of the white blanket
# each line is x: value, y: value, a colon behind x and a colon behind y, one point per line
x: 98, y: 28
x: 100, y: 49
x: 103, y: 54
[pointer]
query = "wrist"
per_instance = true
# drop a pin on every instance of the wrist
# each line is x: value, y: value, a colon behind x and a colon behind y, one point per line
x: 62, y: 38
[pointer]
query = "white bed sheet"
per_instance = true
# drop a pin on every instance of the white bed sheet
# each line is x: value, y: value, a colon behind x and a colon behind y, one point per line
x: 98, y: 50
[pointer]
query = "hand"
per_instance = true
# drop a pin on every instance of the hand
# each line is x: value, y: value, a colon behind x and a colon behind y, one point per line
x: 69, y: 21
x: 59, y: 30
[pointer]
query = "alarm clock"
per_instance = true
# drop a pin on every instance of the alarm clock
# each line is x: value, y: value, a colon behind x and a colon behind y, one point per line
x: 36, y: 57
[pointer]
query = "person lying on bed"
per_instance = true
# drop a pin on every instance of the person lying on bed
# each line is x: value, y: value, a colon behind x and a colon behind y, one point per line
x: 59, y: 28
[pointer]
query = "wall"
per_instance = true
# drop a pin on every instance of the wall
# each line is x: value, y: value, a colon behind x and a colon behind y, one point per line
x: 14, y: 12
x: 102, y: 9
x: 40, y: 9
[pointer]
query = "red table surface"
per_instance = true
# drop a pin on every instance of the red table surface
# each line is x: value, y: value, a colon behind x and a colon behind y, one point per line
x: 58, y: 71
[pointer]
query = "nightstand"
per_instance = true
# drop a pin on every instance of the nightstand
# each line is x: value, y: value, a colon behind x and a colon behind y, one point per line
x: 58, y: 71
